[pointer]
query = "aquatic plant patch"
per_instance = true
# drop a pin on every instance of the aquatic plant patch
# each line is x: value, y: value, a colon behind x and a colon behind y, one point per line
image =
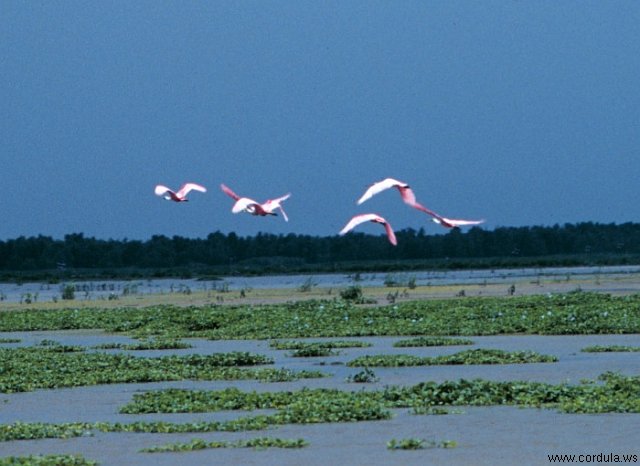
x: 31, y: 368
x: 145, y: 345
x: 611, y: 349
x: 419, y: 444
x: 572, y: 313
x: 622, y: 391
x: 10, y: 340
x: 313, y: 351
x: 432, y: 341
x: 257, y: 443
x: 47, y: 460
x: 364, y: 376
x: 296, y: 345
x: 475, y: 356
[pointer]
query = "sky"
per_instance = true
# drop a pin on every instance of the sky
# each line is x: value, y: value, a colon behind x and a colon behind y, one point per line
x: 522, y: 113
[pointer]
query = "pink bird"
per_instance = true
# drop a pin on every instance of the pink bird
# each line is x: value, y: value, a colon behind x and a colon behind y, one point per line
x: 358, y: 219
x: 181, y: 194
x: 245, y: 204
x: 409, y: 198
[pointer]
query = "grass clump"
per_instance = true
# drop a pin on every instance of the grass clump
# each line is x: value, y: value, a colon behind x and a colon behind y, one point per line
x: 476, y: 356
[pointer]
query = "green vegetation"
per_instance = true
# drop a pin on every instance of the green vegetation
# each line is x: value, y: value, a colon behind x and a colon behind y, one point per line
x: 432, y: 341
x: 475, y: 356
x: 573, y: 313
x: 46, y: 460
x: 365, y: 376
x: 257, y: 443
x: 26, y: 369
x: 418, y: 444
x: 146, y: 345
x: 296, y: 345
x: 10, y: 340
x: 610, y: 348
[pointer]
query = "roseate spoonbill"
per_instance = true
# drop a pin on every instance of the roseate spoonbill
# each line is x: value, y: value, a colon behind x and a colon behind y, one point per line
x: 409, y: 198
x: 245, y: 204
x: 405, y: 191
x: 181, y: 194
x: 358, y: 219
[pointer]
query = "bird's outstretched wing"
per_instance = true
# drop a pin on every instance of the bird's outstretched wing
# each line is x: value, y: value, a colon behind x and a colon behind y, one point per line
x: 380, y: 186
x: 229, y: 192
x: 358, y: 219
x: 188, y: 187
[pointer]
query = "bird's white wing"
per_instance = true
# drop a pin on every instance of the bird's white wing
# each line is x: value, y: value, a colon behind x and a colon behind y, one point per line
x: 244, y: 204
x: 380, y: 186
x: 453, y: 222
x: 187, y: 187
x: 161, y: 190
x: 357, y: 220
x: 273, y: 204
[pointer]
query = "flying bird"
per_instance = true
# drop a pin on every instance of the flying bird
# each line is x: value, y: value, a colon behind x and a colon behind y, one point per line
x: 409, y: 198
x: 181, y: 194
x: 405, y: 191
x: 358, y: 219
x: 245, y: 204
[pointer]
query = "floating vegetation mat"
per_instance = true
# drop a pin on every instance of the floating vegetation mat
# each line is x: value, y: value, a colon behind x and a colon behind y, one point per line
x: 612, y: 393
x: 573, y: 313
x: 52, y: 366
x: 419, y: 444
x: 475, y: 356
x: 258, y: 443
x: 611, y: 349
x: 46, y: 460
x: 432, y: 341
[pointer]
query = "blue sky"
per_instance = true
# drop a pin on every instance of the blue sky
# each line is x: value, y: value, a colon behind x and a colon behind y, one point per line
x: 520, y: 112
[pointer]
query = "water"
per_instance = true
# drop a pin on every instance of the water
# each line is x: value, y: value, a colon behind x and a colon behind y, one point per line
x: 102, y: 289
x: 485, y: 435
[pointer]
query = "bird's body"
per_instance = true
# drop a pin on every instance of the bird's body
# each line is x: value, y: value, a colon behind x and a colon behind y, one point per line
x: 245, y: 204
x: 358, y: 219
x: 181, y: 194
x: 409, y: 198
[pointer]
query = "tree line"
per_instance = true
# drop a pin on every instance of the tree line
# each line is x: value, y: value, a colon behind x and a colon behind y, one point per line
x: 230, y: 251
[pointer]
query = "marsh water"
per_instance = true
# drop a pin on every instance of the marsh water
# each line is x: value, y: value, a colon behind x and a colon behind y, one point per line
x: 103, y: 289
x: 484, y: 435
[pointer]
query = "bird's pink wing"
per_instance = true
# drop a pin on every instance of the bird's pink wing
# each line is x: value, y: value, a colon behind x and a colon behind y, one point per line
x: 228, y: 192
x: 390, y: 234
x: 407, y: 195
x: 357, y: 220
x: 187, y: 187
x: 378, y: 187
